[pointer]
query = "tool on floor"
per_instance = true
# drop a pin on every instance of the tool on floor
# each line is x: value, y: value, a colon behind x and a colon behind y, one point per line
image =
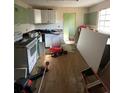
x: 57, y: 51
x: 47, y: 63
x: 24, y: 85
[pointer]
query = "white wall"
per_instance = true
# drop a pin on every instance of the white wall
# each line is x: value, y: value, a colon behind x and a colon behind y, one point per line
x: 103, y: 5
x: 91, y: 46
x: 59, y: 17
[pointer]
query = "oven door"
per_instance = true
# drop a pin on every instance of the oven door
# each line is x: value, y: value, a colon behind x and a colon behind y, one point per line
x: 32, y: 54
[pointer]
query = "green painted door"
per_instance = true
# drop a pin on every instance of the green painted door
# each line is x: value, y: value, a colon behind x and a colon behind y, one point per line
x: 69, y: 26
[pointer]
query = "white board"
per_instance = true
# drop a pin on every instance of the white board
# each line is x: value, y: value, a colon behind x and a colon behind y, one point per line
x: 91, y: 46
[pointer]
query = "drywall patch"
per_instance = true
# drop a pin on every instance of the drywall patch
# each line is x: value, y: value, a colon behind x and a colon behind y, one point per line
x: 91, y: 46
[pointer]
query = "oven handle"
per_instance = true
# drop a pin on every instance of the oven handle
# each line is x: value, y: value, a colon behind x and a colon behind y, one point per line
x: 32, y: 43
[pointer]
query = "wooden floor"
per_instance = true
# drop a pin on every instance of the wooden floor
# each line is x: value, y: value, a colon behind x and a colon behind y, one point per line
x: 64, y: 74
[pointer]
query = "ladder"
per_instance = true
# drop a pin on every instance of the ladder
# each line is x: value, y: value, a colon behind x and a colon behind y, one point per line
x: 92, y: 82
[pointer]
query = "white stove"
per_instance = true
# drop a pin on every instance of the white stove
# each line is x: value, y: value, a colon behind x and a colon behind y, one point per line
x: 25, y: 54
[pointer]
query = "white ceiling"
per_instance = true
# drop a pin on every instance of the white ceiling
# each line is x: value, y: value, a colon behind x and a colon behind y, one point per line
x: 62, y: 3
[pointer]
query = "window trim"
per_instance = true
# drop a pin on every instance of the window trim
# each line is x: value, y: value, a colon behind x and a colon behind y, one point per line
x: 103, y: 26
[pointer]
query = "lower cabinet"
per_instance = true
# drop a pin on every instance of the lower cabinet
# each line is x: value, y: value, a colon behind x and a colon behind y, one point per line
x: 52, y: 40
x: 48, y: 40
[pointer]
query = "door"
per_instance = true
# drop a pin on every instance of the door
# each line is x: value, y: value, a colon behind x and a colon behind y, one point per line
x: 69, y: 26
x: 32, y: 54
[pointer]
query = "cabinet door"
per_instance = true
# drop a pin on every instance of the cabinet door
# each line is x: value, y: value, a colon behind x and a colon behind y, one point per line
x: 48, y: 16
x: 31, y: 16
x: 37, y: 16
x: 20, y: 15
x: 44, y: 16
x: 52, y: 16
x: 47, y: 40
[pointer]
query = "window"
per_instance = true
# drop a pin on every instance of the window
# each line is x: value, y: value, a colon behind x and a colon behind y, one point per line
x: 104, y: 21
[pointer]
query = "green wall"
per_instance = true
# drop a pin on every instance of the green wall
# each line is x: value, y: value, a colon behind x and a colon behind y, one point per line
x: 86, y: 19
x: 91, y: 18
x: 23, y: 15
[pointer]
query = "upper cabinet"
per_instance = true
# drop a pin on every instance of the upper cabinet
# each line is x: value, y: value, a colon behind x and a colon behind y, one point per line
x: 52, y: 16
x: 44, y: 16
x: 23, y: 15
x: 37, y: 16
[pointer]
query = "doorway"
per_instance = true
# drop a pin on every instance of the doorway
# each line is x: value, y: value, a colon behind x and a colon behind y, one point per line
x: 69, y: 21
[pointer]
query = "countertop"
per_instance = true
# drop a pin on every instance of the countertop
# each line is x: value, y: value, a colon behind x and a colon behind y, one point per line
x: 46, y: 31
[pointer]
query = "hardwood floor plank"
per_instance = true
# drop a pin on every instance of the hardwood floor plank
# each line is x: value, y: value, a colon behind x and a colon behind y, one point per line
x: 64, y: 74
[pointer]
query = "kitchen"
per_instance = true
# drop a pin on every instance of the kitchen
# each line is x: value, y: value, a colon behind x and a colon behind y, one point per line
x: 73, y: 26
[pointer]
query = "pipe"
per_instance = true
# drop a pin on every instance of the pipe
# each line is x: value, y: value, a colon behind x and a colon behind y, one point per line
x: 47, y: 63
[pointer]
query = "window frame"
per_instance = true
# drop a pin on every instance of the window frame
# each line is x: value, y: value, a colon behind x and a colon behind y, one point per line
x: 105, y: 13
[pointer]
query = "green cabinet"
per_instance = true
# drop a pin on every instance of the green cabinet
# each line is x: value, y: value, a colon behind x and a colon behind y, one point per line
x: 23, y: 15
x: 30, y: 16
